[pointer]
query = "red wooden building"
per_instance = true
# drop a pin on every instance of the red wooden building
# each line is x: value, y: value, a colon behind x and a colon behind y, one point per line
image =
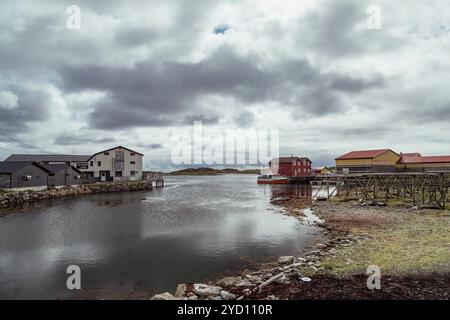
x: 291, y: 167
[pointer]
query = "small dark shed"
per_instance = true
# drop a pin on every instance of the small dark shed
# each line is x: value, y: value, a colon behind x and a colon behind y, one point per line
x: 22, y: 175
x: 62, y: 175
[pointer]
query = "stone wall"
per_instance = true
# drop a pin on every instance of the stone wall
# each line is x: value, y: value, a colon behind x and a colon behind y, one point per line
x: 11, y: 199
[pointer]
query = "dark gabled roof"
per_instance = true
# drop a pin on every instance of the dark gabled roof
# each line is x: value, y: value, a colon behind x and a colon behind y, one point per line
x: 12, y: 166
x: 55, y: 168
x: 48, y: 157
x: 113, y: 149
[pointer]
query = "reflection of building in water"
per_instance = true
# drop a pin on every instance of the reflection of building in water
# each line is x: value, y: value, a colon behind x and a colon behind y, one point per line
x: 299, y: 191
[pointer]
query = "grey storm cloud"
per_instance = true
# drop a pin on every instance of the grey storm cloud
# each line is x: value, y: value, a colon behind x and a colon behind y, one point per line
x: 152, y: 146
x: 191, y: 60
x: 244, y: 118
x: 435, y: 108
x: 71, y: 140
x: 157, y: 93
x: 24, y: 106
x: 339, y: 29
x: 135, y: 36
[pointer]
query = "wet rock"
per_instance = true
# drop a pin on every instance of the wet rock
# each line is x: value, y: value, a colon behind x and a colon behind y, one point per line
x: 285, y: 259
x: 246, y: 292
x: 229, y: 281
x: 14, y: 198
x: 163, y: 296
x: 204, y: 290
x: 254, y: 279
x: 227, y: 295
x: 193, y: 297
x: 272, y: 297
x: 181, y: 291
x: 283, y: 280
x: 321, y: 245
x: 244, y: 283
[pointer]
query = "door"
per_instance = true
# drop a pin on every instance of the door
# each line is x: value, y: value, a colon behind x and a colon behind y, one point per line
x: 105, y: 175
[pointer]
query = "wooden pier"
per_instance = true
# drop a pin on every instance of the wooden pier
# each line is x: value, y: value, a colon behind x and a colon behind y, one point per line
x: 301, y: 180
x: 429, y: 189
x: 156, y: 180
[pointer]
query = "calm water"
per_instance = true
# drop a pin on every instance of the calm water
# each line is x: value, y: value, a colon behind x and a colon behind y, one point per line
x: 195, y: 229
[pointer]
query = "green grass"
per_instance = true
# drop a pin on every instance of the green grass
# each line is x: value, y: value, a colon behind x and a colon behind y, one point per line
x: 420, y: 244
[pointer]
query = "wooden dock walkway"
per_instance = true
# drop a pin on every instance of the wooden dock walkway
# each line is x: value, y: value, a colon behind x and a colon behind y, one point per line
x: 156, y: 180
x: 428, y: 189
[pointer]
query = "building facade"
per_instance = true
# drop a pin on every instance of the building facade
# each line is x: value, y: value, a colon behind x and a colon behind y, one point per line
x: 368, y: 161
x: 60, y: 175
x: 22, y: 175
x: 291, y: 167
x: 424, y: 164
x: 116, y: 164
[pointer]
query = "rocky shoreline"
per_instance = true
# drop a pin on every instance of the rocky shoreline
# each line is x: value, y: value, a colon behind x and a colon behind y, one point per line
x: 14, y: 199
x: 284, y: 271
x: 349, y: 228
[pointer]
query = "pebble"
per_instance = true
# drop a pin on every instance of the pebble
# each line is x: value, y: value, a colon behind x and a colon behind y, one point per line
x: 285, y: 259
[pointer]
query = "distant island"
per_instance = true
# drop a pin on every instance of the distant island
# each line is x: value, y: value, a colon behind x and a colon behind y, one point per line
x: 206, y: 172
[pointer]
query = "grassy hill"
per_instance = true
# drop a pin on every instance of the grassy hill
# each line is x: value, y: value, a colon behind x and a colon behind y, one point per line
x: 212, y: 172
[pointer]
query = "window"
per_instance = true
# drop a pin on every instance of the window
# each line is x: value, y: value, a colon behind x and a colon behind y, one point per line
x: 38, y: 177
x: 132, y: 173
x: 99, y: 163
x: 118, y: 173
x: 82, y: 165
x: 132, y: 162
x: 92, y: 163
x: 132, y: 154
x: 106, y: 153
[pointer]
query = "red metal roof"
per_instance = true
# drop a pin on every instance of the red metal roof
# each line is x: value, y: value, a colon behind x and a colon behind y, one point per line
x: 427, y: 159
x: 410, y: 154
x: 363, y: 154
x: 289, y: 159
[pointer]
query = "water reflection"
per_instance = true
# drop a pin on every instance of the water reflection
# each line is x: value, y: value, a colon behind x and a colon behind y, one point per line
x: 195, y: 228
x: 291, y: 191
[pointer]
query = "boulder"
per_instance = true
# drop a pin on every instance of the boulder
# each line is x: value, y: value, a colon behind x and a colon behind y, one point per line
x: 285, y: 259
x: 244, y: 283
x: 181, y: 291
x: 163, y: 296
x: 229, y: 281
x: 204, y: 290
x: 254, y: 279
x: 227, y: 295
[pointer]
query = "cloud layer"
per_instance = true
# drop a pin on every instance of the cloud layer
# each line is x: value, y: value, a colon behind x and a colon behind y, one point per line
x: 134, y: 74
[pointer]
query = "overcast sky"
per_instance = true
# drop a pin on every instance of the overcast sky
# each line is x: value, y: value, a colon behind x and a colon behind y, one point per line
x: 138, y: 72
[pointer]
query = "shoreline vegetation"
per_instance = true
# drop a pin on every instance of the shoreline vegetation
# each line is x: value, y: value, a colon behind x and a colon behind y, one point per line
x: 411, y: 246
